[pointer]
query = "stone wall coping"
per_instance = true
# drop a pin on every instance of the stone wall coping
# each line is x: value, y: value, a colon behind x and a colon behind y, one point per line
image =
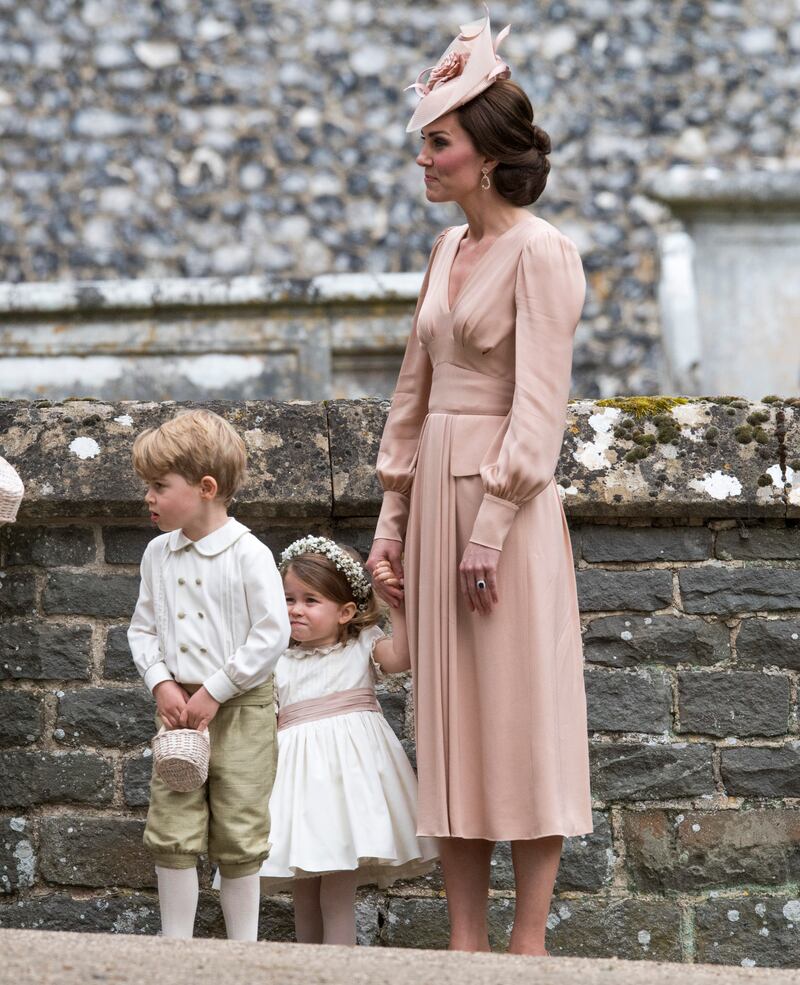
x: 85, y: 297
x: 704, y: 457
x: 684, y: 185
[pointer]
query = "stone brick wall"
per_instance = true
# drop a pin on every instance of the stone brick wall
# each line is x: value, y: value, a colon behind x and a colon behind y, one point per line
x: 240, y: 338
x: 688, y: 569
x: 218, y: 138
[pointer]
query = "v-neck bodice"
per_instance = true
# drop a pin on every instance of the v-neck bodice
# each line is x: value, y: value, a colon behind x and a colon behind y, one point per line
x: 477, y: 330
x: 456, y: 241
x: 502, y: 352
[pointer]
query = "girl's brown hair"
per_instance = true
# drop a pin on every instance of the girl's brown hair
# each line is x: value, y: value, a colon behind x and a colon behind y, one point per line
x: 500, y: 124
x: 321, y: 574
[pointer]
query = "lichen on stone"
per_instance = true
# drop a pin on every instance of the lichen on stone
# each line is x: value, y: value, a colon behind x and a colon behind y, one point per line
x: 739, y: 402
x: 643, y: 407
x: 668, y: 431
x: 761, y: 436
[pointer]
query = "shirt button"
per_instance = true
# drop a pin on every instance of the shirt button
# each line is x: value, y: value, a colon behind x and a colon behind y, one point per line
x: 200, y: 615
x: 184, y: 648
x: 181, y: 615
x: 181, y: 581
x: 188, y: 547
x: 203, y: 649
x: 198, y: 581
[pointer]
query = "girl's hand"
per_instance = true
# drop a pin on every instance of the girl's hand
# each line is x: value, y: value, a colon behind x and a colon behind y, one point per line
x: 170, y: 701
x: 390, y: 551
x: 383, y: 573
x: 479, y: 564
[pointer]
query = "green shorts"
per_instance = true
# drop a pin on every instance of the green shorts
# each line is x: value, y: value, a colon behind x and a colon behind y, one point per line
x: 228, y: 817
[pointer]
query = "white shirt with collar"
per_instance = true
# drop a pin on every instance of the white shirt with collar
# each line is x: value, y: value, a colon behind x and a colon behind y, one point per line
x: 210, y: 611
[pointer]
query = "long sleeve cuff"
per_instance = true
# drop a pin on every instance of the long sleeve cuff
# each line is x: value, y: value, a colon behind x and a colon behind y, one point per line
x: 221, y: 687
x: 393, y: 519
x: 493, y: 522
x: 156, y: 674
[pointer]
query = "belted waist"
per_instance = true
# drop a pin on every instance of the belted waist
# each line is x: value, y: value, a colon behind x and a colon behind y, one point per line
x: 328, y: 706
x: 457, y: 390
x: 261, y: 695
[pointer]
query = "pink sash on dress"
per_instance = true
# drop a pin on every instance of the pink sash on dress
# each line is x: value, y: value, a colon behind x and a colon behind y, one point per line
x: 338, y: 703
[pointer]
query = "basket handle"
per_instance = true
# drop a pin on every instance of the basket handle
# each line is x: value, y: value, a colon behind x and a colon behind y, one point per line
x: 203, y: 732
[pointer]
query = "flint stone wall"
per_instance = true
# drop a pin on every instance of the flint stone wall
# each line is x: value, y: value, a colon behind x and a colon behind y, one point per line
x: 687, y: 549
x: 218, y: 139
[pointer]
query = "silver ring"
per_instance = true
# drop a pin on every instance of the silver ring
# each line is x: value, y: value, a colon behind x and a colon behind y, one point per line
x: 480, y: 584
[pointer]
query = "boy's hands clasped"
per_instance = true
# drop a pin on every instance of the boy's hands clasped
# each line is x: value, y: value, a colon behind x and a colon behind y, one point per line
x: 171, y: 700
x: 177, y: 710
x: 199, y: 710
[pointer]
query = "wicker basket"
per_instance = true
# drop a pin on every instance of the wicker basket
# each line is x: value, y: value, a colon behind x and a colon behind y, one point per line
x: 181, y: 757
x: 11, y: 492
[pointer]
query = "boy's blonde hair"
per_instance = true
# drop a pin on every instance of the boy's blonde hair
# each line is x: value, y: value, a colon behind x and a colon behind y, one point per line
x: 193, y: 444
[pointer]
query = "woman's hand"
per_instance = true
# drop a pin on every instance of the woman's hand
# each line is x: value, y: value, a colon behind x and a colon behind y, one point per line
x: 479, y: 564
x: 390, y: 551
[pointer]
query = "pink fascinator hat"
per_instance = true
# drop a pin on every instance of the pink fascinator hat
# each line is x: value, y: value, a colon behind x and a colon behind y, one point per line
x: 470, y: 65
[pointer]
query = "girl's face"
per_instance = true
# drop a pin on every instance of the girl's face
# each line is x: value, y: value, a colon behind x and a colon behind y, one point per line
x: 314, y: 619
x: 452, y: 165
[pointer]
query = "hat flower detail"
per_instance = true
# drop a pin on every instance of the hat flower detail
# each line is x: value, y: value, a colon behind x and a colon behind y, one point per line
x: 450, y: 67
x: 353, y: 571
x: 468, y: 66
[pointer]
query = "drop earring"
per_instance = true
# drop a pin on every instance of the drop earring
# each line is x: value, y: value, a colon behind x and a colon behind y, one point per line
x: 485, y: 182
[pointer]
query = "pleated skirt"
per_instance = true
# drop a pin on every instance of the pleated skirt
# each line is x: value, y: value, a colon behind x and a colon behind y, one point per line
x: 500, y: 708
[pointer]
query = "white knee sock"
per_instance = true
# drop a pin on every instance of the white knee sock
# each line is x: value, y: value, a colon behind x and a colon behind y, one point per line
x: 177, y: 898
x: 240, y: 899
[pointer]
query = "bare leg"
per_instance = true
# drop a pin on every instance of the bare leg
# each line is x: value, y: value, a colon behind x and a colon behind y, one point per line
x: 177, y: 900
x: 337, y: 898
x: 465, y: 863
x: 307, y: 912
x: 240, y: 899
x: 535, y: 870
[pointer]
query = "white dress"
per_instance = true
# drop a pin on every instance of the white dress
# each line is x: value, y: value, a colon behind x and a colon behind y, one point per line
x: 345, y: 795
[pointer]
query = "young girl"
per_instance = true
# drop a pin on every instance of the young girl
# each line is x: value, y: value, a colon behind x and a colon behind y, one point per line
x: 343, y: 807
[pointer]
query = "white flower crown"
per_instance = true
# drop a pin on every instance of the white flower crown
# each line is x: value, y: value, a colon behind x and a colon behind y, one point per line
x: 352, y: 570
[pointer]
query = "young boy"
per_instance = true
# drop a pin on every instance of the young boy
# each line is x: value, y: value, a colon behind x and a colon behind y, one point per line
x: 208, y: 628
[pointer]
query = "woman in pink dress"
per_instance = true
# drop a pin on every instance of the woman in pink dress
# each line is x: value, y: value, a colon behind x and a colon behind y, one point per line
x: 471, y: 507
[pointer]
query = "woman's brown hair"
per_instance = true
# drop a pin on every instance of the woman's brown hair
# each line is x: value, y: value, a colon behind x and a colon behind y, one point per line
x: 321, y: 574
x: 500, y: 124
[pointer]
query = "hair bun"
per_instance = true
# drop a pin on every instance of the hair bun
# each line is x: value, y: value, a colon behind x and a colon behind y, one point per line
x: 499, y: 121
x: 541, y: 141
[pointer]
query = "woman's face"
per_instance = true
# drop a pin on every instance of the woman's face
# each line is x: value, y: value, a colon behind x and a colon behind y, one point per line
x: 451, y: 162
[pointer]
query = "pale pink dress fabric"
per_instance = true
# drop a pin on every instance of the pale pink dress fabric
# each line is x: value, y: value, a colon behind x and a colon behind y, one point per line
x: 468, y: 453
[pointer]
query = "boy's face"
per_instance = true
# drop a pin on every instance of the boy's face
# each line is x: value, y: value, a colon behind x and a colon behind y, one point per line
x: 173, y: 502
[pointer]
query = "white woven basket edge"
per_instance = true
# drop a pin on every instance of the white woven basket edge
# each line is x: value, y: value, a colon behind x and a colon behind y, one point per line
x: 12, y: 490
